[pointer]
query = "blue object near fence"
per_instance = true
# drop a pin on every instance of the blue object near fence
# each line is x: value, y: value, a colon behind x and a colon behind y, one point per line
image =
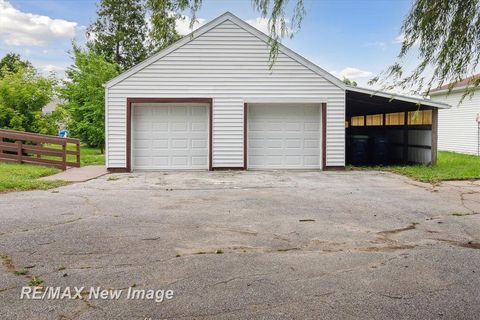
x: 63, y: 133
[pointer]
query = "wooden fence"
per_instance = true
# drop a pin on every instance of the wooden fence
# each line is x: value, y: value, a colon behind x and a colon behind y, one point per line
x: 25, y: 147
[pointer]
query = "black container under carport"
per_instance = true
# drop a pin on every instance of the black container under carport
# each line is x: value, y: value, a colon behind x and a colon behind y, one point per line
x: 358, y: 149
x: 380, y: 150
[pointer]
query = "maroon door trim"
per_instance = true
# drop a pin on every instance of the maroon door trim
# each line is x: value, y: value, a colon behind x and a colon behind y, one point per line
x: 324, y: 136
x: 208, y: 101
x: 245, y: 110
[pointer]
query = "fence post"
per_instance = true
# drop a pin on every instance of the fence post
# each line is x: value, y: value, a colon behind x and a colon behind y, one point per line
x: 64, y: 156
x: 19, y: 151
x: 78, y: 153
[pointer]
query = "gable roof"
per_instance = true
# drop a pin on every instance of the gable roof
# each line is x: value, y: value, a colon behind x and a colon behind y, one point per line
x: 212, y: 24
x: 456, y: 85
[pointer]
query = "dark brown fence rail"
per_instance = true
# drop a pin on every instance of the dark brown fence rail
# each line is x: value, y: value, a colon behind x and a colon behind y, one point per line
x: 25, y: 147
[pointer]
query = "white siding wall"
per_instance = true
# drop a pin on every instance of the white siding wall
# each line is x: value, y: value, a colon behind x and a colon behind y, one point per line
x: 227, y: 132
x: 457, y: 126
x: 228, y: 64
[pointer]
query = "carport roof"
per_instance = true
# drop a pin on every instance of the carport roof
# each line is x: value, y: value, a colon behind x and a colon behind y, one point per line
x: 398, y: 97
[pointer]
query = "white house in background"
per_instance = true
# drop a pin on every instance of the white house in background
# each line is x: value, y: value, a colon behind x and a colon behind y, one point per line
x: 458, y: 127
x: 210, y: 101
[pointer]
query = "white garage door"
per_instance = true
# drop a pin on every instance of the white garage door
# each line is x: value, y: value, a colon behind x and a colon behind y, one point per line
x: 173, y: 136
x: 283, y: 136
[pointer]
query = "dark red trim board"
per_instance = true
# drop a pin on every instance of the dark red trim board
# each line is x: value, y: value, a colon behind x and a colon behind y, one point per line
x: 130, y: 101
x: 324, y: 136
x: 245, y: 110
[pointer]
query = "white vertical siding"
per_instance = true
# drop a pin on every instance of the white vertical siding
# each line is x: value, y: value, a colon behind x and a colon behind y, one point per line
x: 336, y: 131
x: 227, y: 132
x: 230, y: 65
x: 457, y: 126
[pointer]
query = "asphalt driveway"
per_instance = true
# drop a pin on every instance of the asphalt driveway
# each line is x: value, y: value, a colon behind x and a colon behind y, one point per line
x: 269, y: 245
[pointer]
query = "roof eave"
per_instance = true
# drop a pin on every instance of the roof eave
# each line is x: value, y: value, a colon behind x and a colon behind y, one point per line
x: 426, y: 102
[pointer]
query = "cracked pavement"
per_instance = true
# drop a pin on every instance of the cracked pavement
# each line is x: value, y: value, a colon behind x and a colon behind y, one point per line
x: 266, y: 245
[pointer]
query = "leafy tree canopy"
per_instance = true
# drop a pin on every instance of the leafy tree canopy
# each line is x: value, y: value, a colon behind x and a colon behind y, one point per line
x: 163, y: 14
x: 446, y: 37
x: 128, y: 31
x: 120, y: 32
x: 11, y: 63
x: 85, y: 96
x: 349, y: 82
x: 23, y: 94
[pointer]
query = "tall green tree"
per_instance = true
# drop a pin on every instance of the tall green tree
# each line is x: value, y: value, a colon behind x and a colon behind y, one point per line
x: 23, y: 94
x: 119, y: 33
x: 163, y: 15
x: 84, y: 94
x: 11, y: 62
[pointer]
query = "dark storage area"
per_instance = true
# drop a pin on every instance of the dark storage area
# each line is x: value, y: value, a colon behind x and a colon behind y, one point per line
x: 385, y: 131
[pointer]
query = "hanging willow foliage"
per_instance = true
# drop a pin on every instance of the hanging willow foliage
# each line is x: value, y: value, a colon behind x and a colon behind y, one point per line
x: 446, y: 37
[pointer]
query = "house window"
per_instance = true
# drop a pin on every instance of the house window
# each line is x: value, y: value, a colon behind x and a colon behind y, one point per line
x: 375, y: 120
x: 420, y: 117
x: 358, y: 121
x: 395, y: 119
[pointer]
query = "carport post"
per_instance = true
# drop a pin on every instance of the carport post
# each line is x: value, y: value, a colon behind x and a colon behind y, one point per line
x: 405, y: 138
x: 434, y: 136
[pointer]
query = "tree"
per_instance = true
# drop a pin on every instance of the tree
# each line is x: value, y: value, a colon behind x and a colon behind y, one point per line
x: 23, y: 94
x: 84, y: 94
x: 349, y: 82
x: 120, y: 32
x: 163, y: 14
x: 445, y: 35
x: 11, y: 63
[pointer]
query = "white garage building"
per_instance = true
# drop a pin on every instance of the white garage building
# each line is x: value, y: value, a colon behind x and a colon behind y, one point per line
x: 210, y: 101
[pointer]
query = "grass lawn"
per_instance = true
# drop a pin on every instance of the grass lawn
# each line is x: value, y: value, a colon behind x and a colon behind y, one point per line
x: 18, y: 177
x: 90, y: 156
x: 450, y: 166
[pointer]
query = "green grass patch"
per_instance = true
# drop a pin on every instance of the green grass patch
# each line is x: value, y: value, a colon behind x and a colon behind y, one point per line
x: 91, y: 156
x: 450, y: 166
x: 88, y: 156
x: 19, y: 177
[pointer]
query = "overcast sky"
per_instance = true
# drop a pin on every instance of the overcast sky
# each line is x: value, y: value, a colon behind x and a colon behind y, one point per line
x: 356, y: 39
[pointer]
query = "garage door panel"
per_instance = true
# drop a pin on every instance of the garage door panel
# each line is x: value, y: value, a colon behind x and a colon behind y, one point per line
x: 283, y: 136
x: 293, y: 127
x: 311, y: 143
x: 179, y: 144
x: 198, y: 144
x: 160, y: 144
x: 199, y: 161
x: 170, y: 137
x: 156, y: 112
x: 312, y: 126
x: 160, y: 161
x: 312, y: 160
x: 293, y: 160
x: 143, y: 126
x: 179, y: 126
x: 159, y: 126
x: 199, y: 111
x: 198, y: 126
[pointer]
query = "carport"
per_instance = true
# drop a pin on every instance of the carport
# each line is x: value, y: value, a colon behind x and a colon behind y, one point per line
x: 384, y: 128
